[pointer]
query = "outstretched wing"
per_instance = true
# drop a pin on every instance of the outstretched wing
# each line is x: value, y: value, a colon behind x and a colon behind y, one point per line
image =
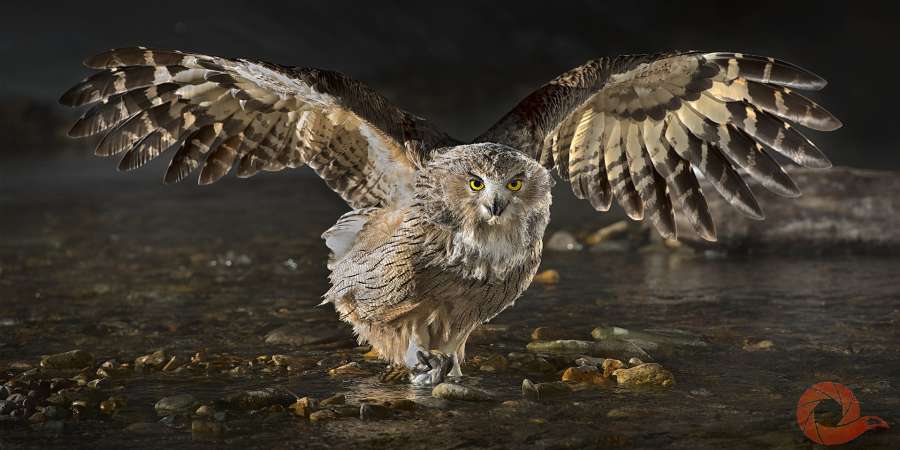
x: 220, y: 113
x: 636, y: 127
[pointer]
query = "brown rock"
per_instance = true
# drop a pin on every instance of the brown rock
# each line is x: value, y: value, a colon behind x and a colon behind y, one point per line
x: 583, y: 374
x: 644, y: 374
x: 548, y: 276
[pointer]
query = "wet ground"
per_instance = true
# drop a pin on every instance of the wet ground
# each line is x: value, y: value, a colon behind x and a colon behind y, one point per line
x: 121, y: 266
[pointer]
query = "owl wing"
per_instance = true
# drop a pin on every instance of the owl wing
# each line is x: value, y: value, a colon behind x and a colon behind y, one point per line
x: 220, y: 113
x: 637, y: 127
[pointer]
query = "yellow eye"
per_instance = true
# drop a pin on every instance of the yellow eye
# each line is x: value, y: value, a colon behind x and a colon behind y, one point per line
x: 476, y: 185
x: 514, y: 185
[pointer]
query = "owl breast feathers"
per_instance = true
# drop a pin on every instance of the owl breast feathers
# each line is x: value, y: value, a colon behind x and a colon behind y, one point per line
x: 444, y: 234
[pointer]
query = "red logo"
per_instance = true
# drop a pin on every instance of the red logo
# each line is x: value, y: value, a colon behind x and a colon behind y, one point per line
x: 851, y: 424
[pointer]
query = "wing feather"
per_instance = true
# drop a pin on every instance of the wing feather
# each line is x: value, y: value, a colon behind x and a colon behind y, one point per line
x: 664, y: 116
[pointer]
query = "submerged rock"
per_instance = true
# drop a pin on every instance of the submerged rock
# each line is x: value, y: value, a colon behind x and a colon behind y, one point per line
x: 200, y: 426
x: 369, y: 411
x: 553, y: 334
x: 453, y: 391
x: 75, y: 359
x: 175, y: 404
x: 259, y: 398
x: 644, y: 374
x: 544, y: 391
x: 352, y: 369
x: 752, y: 345
x: 841, y: 208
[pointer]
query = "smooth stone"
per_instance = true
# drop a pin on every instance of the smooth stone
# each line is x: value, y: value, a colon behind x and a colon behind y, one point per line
x: 204, y: 411
x: 307, y: 333
x: 607, y: 348
x: 175, y: 404
x: 563, y: 241
x: 373, y: 412
x: 75, y: 359
x: 548, y: 276
x: 453, y: 391
x: 644, y: 374
x: 259, y: 398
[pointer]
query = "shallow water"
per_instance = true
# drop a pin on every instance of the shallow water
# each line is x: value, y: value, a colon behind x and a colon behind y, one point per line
x: 122, y: 266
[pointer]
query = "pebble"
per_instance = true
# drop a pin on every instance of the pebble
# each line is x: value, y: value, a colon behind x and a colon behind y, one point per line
x: 259, y: 398
x: 563, y: 241
x: 75, y: 359
x: 644, y: 374
x: 453, y: 391
x: 323, y: 415
x: 634, y: 361
x: 153, y: 361
x: 589, y: 361
x: 583, y: 374
x: 352, y: 369
x: 548, y: 276
x: 175, y: 404
x: 204, y: 411
x: 337, y: 399
x: 543, y: 391
x: 369, y: 411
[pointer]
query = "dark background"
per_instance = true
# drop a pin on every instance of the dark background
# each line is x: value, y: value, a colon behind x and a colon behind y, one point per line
x: 460, y: 65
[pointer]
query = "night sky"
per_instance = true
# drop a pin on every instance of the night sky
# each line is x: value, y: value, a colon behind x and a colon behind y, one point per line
x: 464, y: 66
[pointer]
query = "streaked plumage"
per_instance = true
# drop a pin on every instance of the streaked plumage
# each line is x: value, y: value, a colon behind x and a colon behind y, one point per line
x: 423, y: 259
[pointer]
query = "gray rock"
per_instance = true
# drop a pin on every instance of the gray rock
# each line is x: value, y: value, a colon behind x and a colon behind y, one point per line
x: 563, y: 241
x: 75, y: 359
x: 841, y: 208
x: 175, y: 404
x: 453, y: 391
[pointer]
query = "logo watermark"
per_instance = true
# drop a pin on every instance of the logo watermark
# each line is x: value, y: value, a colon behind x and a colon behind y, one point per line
x: 847, y: 429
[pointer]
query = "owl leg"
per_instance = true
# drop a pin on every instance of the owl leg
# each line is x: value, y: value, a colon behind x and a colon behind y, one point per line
x: 432, y: 368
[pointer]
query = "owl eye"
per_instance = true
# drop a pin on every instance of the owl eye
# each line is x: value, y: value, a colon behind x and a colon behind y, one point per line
x: 514, y: 185
x: 475, y: 184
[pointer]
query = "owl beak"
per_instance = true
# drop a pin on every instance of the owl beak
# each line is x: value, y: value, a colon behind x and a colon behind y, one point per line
x: 498, y: 206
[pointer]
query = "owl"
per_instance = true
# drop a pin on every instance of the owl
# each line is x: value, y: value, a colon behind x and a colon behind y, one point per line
x: 443, y: 235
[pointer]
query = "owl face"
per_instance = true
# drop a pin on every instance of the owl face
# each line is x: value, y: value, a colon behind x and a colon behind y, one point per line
x: 487, y: 185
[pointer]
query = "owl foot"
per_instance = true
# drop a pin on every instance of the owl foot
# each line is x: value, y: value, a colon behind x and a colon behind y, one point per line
x: 432, y: 368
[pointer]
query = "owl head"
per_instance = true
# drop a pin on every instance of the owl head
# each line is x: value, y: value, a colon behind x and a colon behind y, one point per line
x: 484, y: 187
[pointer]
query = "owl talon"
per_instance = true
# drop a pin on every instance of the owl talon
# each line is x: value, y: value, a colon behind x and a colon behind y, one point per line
x: 432, y: 369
